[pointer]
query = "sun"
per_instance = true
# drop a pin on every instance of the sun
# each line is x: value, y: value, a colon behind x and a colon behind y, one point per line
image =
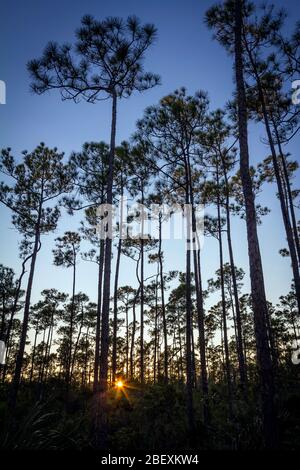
x: 119, y: 383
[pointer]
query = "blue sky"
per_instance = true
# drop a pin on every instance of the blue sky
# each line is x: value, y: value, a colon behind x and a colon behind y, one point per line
x: 184, y: 55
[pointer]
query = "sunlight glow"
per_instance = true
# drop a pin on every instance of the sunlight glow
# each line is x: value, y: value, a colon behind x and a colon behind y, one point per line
x: 119, y: 384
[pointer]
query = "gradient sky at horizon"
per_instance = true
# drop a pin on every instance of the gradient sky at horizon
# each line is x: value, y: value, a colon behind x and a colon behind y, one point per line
x: 184, y: 55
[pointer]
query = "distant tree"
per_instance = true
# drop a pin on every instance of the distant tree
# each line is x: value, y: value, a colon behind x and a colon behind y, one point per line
x: 220, y: 158
x: 140, y: 181
x: 215, y: 227
x: 10, y: 294
x: 66, y: 254
x: 49, y: 311
x: 85, y: 313
x: 36, y: 324
x: 6, y: 296
x: 134, y: 249
x: 287, y: 169
x: 158, y: 199
x: 287, y: 309
x: 170, y: 132
x: 125, y: 295
x: 37, y: 182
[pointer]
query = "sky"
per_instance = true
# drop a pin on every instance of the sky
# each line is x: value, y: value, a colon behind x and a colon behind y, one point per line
x: 184, y: 55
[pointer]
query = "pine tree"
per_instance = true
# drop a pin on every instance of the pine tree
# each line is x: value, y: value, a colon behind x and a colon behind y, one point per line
x: 37, y: 183
x: 66, y: 254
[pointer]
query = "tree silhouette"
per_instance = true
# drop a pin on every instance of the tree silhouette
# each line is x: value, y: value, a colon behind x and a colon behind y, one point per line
x: 37, y: 182
x: 227, y: 21
x: 65, y: 254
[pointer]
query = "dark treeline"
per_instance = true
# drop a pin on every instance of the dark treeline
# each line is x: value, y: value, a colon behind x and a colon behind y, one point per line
x: 204, y: 363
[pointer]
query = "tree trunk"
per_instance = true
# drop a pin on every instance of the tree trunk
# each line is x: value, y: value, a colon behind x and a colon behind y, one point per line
x: 115, y: 319
x: 284, y: 211
x: 163, y: 307
x: 260, y: 308
x: 42, y: 355
x: 142, y: 301
x: 155, y: 331
x: 86, y: 356
x: 133, y: 335
x: 45, y: 360
x: 200, y: 309
x: 289, y: 191
x: 241, y: 359
x: 98, y: 322
x: 224, y: 313
x: 3, y: 322
x: 69, y: 359
x: 189, y: 368
x: 77, y: 342
x: 100, y: 417
x: 49, y: 351
x: 13, y: 311
x: 20, y: 355
x: 33, y: 353
x: 127, y: 342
